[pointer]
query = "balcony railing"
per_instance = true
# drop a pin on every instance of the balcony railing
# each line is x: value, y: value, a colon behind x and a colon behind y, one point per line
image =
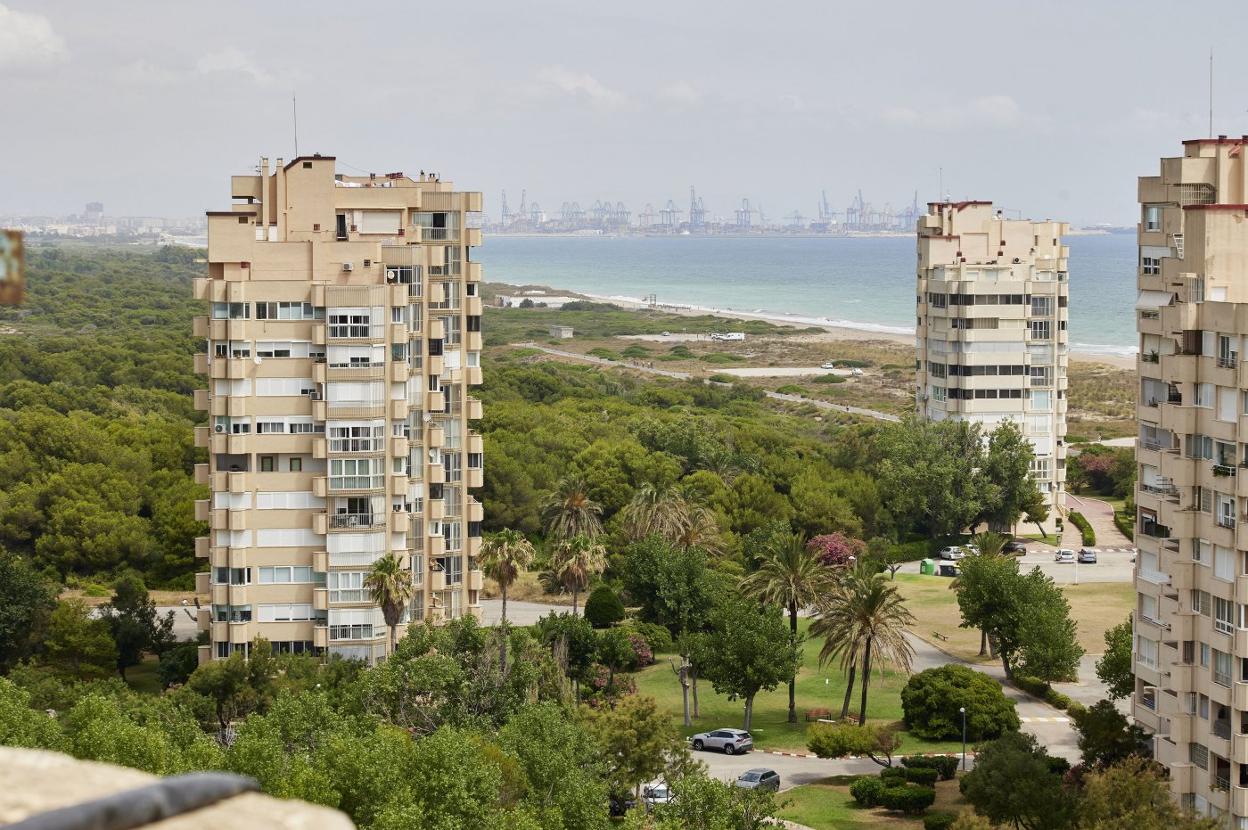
x: 1227, y: 362
x: 1224, y: 470
x: 341, y: 520
x: 1154, y: 530
x: 1226, y: 521
x: 1220, y: 782
x: 1160, y: 489
x: 439, y: 234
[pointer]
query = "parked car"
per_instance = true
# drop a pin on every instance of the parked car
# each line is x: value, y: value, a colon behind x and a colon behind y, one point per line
x: 731, y: 741
x: 618, y: 805
x: 1087, y: 556
x: 1064, y: 556
x: 856, y: 372
x: 952, y: 553
x: 828, y: 365
x: 759, y: 778
x: 656, y: 794
x: 1014, y: 547
x: 947, y: 569
x: 667, y: 334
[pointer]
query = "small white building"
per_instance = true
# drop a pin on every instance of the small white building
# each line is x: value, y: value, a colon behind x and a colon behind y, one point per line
x: 561, y: 332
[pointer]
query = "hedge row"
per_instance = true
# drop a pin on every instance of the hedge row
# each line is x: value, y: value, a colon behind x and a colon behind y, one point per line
x: 892, y: 794
x: 1078, y: 520
x: 1125, y: 523
x: 1042, y: 690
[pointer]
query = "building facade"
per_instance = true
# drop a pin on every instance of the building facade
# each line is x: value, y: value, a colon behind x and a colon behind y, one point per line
x: 343, y: 333
x: 991, y: 341
x: 1191, y: 624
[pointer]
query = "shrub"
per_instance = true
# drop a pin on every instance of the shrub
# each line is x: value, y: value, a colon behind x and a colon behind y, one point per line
x: 946, y: 765
x: 642, y: 655
x: 920, y: 775
x: 604, y: 353
x: 931, y: 700
x: 1077, y: 519
x: 939, y: 821
x: 793, y: 389
x: 910, y: 799
x: 1057, y: 699
x: 893, y: 776
x: 867, y: 790
x: 636, y: 351
x: 1031, y: 685
x: 721, y: 357
x: 722, y: 378
x: 1125, y: 523
x: 657, y: 637
x: 603, y: 609
x: 827, y: 379
x: 836, y: 740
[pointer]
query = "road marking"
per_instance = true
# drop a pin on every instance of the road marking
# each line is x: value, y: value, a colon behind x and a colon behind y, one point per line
x: 1045, y: 720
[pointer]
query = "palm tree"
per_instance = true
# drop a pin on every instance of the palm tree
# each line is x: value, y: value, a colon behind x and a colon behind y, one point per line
x: 389, y: 585
x: 576, y: 561
x: 656, y: 509
x: 989, y: 543
x: 867, y: 611
x: 701, y: 531
x: 793, y: 577
x: 569, y: 511
x: 503, y: 556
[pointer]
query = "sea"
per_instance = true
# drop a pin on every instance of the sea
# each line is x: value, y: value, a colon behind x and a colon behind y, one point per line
x: 864, y: 283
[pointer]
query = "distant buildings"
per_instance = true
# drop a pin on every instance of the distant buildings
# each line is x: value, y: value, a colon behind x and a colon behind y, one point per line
x: 991, y: 329
x: 343, y: 334
x: 1191, y: 628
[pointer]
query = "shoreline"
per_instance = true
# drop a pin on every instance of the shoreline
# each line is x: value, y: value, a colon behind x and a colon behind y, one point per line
x: 836, y: 329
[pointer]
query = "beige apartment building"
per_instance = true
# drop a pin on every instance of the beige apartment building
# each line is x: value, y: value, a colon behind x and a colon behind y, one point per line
x: 991, y: 338
x: 1191, y: 624
x: 343, y: 332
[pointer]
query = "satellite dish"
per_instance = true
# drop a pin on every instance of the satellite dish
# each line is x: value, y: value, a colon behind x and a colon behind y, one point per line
x: 257, y: 359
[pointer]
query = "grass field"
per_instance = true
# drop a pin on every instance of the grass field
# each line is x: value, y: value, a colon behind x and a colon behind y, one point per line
x: 143, y: 678
x: 1096, y: 607
x: 816, y: 687
x: 827, y: 805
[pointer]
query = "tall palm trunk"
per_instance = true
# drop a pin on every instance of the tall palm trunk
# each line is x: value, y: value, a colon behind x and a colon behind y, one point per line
x: 849, y: 687
x: 866, y: 679
x: 502, y: 645
x: 793, y: 679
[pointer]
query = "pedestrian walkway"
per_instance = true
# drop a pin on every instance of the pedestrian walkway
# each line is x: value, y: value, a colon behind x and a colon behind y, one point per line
x: 1100, y: 516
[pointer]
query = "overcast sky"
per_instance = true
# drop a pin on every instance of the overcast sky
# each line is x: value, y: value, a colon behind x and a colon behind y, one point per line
x: 1050, y: 108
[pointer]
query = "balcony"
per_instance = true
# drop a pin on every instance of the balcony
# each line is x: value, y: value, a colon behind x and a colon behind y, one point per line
x: 320, y: 599
x: 352, y: 521
x: 474, y: 409
x: 439, y: 234
x: 437, y: 579
x: 475, y: 580
x: 1224, y: 470
x: 202, y: 547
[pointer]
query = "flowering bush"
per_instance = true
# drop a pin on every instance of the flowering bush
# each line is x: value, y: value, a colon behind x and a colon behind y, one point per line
x: 836, y: 549
x: 641, y: 651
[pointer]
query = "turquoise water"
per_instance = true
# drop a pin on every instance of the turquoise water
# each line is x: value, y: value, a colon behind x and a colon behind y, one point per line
x: 865, y: 283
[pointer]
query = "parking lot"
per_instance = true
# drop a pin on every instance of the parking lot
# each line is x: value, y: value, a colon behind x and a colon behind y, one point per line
x: 1113, y: 565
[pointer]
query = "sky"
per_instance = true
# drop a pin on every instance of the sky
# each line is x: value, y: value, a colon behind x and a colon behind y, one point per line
x: 1052, y: 109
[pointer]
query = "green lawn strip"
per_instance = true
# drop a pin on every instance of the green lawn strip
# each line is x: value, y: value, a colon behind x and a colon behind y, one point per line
x: 771, y: 728
x: 143, y: 678
x: 827, y: 805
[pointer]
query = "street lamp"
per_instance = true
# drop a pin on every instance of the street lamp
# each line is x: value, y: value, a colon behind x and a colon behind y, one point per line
x: 963, y: 711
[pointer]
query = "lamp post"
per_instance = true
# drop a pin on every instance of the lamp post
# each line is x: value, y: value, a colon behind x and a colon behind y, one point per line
x: 963, y: 711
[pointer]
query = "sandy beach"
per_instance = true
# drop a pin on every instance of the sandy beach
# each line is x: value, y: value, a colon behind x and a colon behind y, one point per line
x: 832, y: 332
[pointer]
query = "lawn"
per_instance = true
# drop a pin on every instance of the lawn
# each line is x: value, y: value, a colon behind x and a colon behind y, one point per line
x: 816, y: 687
x: 143, y: 677
x: 827, y: 805
x: 1095, y: 606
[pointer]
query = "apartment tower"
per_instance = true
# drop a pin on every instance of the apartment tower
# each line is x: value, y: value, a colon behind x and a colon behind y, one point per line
x: 1191, y: 625
x: 343, y: 335
x: 991, y: 336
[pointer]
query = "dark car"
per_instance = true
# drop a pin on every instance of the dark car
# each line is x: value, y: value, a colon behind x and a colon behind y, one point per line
x: 948, y: 570
x: 759, y: 778
x: 1014, y: 547
x: 1087, y: 556
x: 618, y: 805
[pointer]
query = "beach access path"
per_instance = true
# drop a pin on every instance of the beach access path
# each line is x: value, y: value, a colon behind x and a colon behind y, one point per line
x: 599, y: 361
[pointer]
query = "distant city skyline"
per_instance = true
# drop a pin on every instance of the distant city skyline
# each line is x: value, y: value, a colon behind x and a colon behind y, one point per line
x: 581, y: 102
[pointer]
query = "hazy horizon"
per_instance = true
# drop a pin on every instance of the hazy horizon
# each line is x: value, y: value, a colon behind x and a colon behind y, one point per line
x: 1052, y: 114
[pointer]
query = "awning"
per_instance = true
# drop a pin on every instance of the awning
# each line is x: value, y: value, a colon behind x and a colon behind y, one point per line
x: 1153, y: 300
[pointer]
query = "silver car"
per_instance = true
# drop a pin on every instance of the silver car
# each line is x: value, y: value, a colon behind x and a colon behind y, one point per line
x: 731, y: 741
x: 656, y: 794
x: 759, y: 778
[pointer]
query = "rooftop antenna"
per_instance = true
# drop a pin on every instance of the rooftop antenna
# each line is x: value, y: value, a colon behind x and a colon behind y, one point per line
x: 294, y: 112
x: 1211, y: 92
x: 942, y: 182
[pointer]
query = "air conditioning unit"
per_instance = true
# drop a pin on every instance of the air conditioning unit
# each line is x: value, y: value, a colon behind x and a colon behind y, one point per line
x: 392, y: 275
x: 346, y: 266
x: 219, y: 428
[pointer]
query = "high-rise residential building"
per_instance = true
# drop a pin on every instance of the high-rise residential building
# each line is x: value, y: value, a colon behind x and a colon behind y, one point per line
x: 1191, y: 624
x: 343, y: 335
x: 991, y: 333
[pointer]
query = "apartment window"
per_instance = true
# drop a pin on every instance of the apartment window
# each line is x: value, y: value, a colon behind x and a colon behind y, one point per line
x: 296, y: 464
x: 351, y: 631
x: 356, y: 357
x: 285, y: 612
x: 1146, y: 652
x: 356, y: 473
x: 1224, y: 563
x: 1152, y: 217
x: 1151, y: 266
x: 1148, y: 607
x: 1042, y: 306
x: 1221, y: 668
x: 1200, y: 602
x: 1041, y: 329
x: 268, y: 463
x: 283, y: 574
x: 286, y: 311
x: 351, y: 323
x: 240, y: 348
x: 231, y: 311
x: 939, y: 394
x: 282, y: 348
x: 1223, y: 616
x: 1204, y: 394
x: 1198, y: 754
x: 474, y: 460
x: 361, y: 436
x: 347, y: 586
x: 231, y: 576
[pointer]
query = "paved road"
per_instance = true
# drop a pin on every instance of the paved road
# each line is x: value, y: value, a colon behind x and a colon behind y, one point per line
x: 1112, y: 565
x: 793, y: 771
x: 1100, y: 515
x: 654, y: 370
